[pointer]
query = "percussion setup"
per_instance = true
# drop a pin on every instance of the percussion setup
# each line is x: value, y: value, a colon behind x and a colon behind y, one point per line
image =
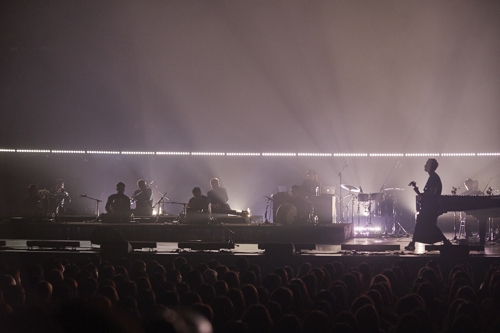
x: 383, y: 204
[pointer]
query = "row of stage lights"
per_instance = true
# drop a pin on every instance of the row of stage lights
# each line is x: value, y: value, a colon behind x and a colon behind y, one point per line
x: 177, y: 153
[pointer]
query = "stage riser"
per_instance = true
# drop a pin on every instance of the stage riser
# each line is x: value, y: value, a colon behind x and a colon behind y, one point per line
x: 243, y: 234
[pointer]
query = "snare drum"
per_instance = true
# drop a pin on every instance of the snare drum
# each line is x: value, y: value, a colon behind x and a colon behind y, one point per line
x: 286, y: 214
x: 377, y: 197
x: 363, y: 197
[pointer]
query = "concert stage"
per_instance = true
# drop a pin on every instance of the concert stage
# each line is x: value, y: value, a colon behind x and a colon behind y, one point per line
x: 162, y: 242
x: 243, y: 233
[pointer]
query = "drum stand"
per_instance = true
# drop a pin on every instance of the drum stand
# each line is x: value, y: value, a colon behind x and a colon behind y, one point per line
x: 267, y: 208
x: 401, y: 232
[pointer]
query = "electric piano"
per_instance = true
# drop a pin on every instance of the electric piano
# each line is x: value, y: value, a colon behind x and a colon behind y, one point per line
x: 476, y: 205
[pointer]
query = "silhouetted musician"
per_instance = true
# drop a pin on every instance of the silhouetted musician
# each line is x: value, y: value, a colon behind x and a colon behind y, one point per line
x: 217, y: 196
x: 117, y: 206
x: 426, y: 229
x: 143, y: 198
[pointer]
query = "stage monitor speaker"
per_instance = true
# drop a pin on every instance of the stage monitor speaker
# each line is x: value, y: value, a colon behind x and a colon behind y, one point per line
x: 276, y: 249
x: 112, y: 242
x: 105, y: 234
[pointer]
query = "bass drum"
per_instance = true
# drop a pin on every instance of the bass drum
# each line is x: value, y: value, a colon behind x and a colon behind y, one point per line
x: 286, y: 214
x: 384, y: 208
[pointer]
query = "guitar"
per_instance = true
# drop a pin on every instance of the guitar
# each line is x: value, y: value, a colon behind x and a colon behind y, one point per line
x: 415, y: 188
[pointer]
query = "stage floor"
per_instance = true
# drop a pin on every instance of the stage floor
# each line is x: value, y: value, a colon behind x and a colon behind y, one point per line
x: 377, y: 245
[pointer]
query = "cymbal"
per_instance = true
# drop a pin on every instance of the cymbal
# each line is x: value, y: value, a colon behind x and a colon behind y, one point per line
x: 394, y: 189
x: 350, y: 188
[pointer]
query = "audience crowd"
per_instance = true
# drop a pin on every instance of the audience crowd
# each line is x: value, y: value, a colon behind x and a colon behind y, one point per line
x: 93, y: 295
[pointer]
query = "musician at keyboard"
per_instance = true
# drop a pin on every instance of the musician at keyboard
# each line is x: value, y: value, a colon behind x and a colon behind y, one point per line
x: 426, y: 229
x: 217, y: 196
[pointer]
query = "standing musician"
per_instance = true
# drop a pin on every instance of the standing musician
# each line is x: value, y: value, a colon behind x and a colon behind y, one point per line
x: 118, y: 204
x: 426, y: 229
x: 310, y: 185
x: 58, y: 197
x: 217, y: 196
x: 143, y: 198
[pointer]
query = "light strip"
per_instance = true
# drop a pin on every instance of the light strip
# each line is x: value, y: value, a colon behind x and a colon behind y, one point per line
x: 208, y: 154
x: 488, y: 154
x: 103, y: 152
x: 7, y: 150
x: 386, y: 155
x: 32, y: 151
x: 68, y: 151
x: 172, y: 153
x: 279, y: 154
x: 422, y: 154
x: 314, y: 154
x: 349, y: 154
x: 138, y: 153
x: 243, y: 154
x: 459, y: 154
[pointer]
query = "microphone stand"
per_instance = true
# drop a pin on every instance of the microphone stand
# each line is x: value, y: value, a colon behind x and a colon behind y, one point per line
x: 164, y: 195
x: 267, y: 207
x: 97, y: 201
x: 341, y: 205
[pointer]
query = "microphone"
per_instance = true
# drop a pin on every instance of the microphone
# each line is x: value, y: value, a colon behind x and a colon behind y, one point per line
x: 361, y: 189
x: 268, y: 198
x: 83, y: 195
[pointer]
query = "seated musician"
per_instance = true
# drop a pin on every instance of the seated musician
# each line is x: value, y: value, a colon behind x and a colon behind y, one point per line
x: 426, y: 229
x: 304, y: 207
x: 58, y: 197
x: 31, y: 204
x: 143, y: 198
x: 118, y: 206
x: 217, y: 196
x: 198, y: 203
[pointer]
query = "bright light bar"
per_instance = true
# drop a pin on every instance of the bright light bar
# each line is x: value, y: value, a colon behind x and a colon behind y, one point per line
x: 32, y: 151
x: 68, y: 151
x: 172, y: 153
x: 488, y: 154
x: 387, y: 155
x: 103, y: 152
x: 279, y: 154
x: 314, y: 154
x: 137, y: 153
x: 208, y: 154
x: 366, y: 229
x: 349, y: 154
x: 242, y: 154
x: 459, y: 154
x: 7, y: 150
x: 422, y: 154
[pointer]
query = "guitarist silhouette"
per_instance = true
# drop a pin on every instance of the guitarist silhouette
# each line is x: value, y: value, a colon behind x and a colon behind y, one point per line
x: 426, y: 229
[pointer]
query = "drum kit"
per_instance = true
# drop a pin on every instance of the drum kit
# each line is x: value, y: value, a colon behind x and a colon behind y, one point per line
x: 382, y: 204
